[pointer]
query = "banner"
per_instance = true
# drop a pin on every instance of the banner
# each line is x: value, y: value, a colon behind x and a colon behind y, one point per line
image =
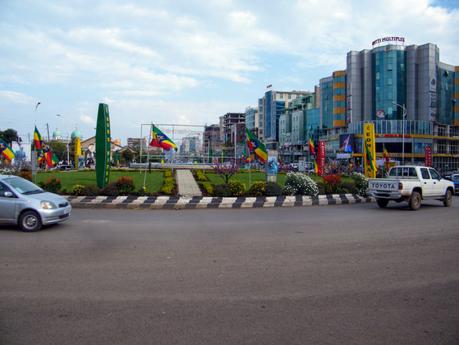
x: 103, y: 146
x: 321, y: 158
x: 346, y: 143
x: 77, y: 152
x: 272, y: 166
x: 369, y: 150
x: 428, y: 156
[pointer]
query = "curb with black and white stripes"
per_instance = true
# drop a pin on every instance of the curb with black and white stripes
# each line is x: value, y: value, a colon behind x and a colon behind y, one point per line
x: 199, y: 202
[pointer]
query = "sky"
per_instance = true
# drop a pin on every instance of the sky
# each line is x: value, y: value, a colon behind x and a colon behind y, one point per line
x: 190, y: 61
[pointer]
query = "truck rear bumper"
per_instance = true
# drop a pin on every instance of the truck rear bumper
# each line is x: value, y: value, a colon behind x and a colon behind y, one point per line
x: 382, y: 194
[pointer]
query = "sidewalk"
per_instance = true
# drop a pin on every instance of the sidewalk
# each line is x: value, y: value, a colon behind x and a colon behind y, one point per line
x: 187, y: 186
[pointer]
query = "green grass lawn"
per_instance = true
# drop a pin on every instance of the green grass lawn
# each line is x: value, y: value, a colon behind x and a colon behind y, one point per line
x: 68, y: 179
x: 243, y: 177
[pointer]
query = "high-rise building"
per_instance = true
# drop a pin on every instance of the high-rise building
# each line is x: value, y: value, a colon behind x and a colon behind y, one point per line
x: 406, y: 91
x: 227, y: 122
x: 212, y: 143
x: 270, y: 107
x: 251, y: 119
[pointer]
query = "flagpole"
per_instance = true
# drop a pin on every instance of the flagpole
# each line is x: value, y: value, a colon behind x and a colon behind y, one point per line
x: 148, y: 159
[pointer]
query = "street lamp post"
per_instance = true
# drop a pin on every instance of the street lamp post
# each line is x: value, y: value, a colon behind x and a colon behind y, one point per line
x: 403, y: 129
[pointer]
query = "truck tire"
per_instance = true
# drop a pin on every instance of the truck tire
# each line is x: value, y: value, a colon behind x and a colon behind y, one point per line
x: 448, y: 200
x: 382, y: 203
x: 29, y: 221
x: 415, y: 201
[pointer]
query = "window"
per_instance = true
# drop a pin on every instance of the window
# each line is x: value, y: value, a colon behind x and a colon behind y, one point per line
x: 425, y: 174
x: 434, y: 174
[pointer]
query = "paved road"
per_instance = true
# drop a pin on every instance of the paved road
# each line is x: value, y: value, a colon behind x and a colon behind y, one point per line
x: 316, y: 275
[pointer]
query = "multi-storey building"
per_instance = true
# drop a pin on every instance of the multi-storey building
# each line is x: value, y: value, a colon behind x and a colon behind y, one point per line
x: 270, y: 107
x: 227, y: 122
x: 251, y: 119
x: 406, y: 91
x: 212, y: 143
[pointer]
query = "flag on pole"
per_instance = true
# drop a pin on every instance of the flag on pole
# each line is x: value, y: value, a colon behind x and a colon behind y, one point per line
x: 256, y: 146
x: 6, y: 151
x: 386, y: 158
x: 370, y: 160
x: 159, y: 139
x: 316, y: 167
x: 312, y: 150
x: 37, y: 139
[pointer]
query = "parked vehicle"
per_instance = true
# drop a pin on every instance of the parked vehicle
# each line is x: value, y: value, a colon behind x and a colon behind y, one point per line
x: 455, y: 179
x: 27, y: 205
x: 412, y: 184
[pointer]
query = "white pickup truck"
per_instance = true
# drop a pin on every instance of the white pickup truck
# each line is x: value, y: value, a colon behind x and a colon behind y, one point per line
x: 412, y: 184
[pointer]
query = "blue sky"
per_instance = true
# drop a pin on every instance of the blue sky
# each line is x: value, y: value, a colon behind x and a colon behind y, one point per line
x: 187, y: 62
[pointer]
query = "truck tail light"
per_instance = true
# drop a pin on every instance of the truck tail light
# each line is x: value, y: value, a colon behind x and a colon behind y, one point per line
x: 400, y: 186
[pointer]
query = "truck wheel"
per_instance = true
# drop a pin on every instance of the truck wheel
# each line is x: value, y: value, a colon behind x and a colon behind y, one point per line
x: 448, y: 201
x: 382, y: 203
x: 415, y: 201
x: 30, y: 221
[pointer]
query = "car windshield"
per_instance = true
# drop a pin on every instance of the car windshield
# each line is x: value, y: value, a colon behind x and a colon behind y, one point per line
x: 456, y: 178
x: 23, y: 186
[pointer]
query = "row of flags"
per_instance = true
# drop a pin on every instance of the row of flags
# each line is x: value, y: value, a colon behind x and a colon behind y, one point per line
x: 44, y: 154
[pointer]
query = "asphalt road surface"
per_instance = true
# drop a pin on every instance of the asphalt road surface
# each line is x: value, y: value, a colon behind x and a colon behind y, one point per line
x: 349, y: 274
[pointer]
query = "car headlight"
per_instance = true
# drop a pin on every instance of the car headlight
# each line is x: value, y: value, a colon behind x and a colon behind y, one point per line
x: 47, y: 205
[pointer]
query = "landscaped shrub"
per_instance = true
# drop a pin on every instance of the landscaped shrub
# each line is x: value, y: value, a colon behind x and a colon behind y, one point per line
x: 125, y: 185
x: 236, y: 188
x: 348, y: 187
x: 257, y: 189
x: 361, y: 183
x: 52, y: 185
x: 110, y: 190
x: 91, y: 190
x: 222, y: 190
x: 27, y: 174
x: 300, y: 184
x: 332, y: 183
x: 321, y: 187
x: 200, y: 176
x: 168, y: 187
x: 273, y: 189
x: 207, y: 188
x: 78, y: 190
x: 168, y: 173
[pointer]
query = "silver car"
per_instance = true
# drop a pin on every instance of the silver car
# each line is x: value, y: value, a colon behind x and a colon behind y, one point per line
x: 25, y: 204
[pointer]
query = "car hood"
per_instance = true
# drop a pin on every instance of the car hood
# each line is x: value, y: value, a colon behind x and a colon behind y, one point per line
x: 54, y: 198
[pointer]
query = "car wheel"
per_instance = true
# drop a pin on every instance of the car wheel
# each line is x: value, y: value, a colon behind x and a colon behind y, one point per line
x: 448, y: 201
x: 415, y: 201
x: 382, y: 203
x: 30, y: 221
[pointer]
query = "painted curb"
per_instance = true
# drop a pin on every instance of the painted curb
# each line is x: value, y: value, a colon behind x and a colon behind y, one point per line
x: 200, y: 202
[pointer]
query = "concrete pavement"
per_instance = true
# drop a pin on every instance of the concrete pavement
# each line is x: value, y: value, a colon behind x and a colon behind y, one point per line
x: 186, y: 183
x: 334, y: 275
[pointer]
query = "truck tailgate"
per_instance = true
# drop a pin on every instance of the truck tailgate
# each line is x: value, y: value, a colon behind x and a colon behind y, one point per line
x: 383, y: 185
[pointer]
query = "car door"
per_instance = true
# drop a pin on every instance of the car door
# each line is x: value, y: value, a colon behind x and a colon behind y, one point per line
x: 437, y: 187
x: 426, y: 182
x: 8, y: 205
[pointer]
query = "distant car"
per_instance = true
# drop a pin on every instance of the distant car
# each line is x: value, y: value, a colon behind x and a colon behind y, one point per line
x: 64, y: 167
x: 27, y: 205
x: 455, y: 179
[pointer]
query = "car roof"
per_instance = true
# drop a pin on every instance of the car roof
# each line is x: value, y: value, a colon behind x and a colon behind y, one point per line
x: 2, y: 177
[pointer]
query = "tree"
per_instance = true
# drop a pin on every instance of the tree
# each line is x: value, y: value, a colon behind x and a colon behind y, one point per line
x: 9, y: 135
x: 226, y: 171
x: 59, y: 149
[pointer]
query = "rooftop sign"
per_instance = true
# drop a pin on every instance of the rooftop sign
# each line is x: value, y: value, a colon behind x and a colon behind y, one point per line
x: 388, y: 40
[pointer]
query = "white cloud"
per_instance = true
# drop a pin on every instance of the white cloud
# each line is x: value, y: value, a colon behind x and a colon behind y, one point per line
x: 88, y: 120
x: 15, y: 97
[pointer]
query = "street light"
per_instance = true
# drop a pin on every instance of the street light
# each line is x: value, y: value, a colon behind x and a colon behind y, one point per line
x: 68, y: 139
x: 403, y: 129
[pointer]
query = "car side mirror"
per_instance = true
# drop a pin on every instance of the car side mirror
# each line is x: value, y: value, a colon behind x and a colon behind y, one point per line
x: 8, y: 194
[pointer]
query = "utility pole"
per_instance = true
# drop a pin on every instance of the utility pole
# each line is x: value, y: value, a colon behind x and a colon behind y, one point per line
x: 47, y: 129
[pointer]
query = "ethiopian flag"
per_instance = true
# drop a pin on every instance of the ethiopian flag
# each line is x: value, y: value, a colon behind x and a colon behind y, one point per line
x: 256, y: 146
x: 37, y: 139
x: 312, y: 150
x: 6, y: 151
x: 159, y: 139
x: 51, y: 159
x: 370, y: 161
